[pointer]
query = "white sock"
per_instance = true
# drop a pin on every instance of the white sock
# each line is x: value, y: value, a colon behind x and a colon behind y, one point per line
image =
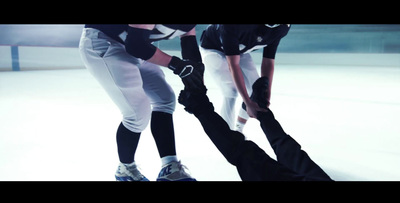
x: 168, y: 159
x: 129, y: 164
x: 239, y: 126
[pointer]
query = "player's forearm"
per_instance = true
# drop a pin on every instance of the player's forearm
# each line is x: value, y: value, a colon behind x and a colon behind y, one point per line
x: 237, y: 75
x: 241, y: 87
x: 267, y: 67
x: 160, y: 58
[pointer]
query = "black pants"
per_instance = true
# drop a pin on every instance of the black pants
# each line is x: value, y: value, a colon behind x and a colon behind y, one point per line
x: 252, y: 163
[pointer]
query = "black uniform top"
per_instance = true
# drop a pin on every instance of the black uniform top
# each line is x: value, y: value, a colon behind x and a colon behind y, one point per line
x: 160, y: 32
x: 233, y: 39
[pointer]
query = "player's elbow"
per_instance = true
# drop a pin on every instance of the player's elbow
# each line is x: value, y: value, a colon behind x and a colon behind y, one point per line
x: 140, y: 49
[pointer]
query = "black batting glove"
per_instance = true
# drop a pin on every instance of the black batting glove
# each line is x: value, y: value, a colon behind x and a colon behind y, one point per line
x: 190, y: 72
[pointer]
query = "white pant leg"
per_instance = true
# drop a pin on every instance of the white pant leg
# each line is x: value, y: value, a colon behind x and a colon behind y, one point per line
x: 162, y: 96
x: 119, y: 75
x: 215, y: 63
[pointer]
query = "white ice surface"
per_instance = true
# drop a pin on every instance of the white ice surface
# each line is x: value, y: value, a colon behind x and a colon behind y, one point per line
x: 60, y: 125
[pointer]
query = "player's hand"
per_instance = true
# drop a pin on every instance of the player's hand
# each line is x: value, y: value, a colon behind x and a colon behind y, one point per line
x: 252, y: 108
x: 191, y: 73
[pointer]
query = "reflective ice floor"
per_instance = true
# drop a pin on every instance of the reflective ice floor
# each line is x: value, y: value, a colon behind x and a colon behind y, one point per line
x: 60, y: 125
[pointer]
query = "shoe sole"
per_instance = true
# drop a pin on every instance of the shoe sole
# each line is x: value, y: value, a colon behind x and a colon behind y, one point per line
x: 168, y: 180
x: 124, y: 179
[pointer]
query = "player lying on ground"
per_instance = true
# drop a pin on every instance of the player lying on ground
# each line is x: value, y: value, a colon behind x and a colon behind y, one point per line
x: 252, y: 163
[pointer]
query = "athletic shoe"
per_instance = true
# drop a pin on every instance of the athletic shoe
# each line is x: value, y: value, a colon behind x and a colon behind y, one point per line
x: 259, y: 95
x: 129, y: 172
x: 174, y: 171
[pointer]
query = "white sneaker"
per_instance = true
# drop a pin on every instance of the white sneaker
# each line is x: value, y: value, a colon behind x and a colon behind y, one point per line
x: 129, y: 172
x: 174, y: 171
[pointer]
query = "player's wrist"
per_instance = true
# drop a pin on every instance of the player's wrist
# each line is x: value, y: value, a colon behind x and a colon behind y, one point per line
x: 181, y: 67
x: 247, y: 101
x: 173, y: 64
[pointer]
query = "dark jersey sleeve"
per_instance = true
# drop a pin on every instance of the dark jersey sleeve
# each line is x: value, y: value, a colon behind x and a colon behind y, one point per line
x: 270, y: 50
x: 230, y: 40
x: 280, y: 32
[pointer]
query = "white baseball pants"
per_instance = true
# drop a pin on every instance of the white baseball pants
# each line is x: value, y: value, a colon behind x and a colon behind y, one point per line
x: 134, y: 85
x: 216, y: 64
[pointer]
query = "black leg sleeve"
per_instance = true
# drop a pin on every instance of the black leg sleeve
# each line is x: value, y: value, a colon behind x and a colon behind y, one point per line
x: 288, y: 151
x: 162, y: 128
x: 127, y: 142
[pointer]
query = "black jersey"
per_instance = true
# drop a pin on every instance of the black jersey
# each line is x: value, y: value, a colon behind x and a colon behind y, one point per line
x: 160, y: 31
x: 169, y: 31
x: 233, y: 39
